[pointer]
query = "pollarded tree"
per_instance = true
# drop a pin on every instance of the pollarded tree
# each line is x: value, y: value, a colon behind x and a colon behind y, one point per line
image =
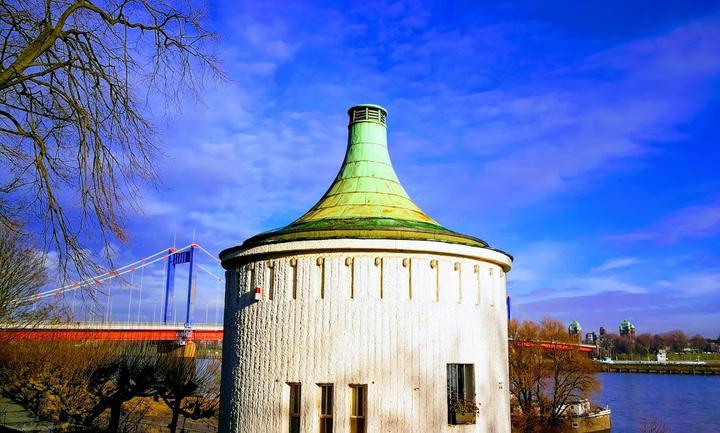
x: 50, y: 378
x: 189, y: 388
x: 131, y: 372
x: 76, y: 139
x: 78, y: 383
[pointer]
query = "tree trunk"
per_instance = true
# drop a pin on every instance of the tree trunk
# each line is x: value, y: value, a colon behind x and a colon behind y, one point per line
x: 174, y: 421
x: 115, y: 412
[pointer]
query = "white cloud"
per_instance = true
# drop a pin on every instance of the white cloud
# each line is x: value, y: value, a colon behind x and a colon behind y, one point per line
x: 699, y: 283
x: 537, y: 261
x: 591, y: 285
x: 694, y: 222
x: 617, y: 263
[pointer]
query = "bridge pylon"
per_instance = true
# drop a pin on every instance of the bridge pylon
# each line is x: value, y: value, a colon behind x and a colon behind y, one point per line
x: 175, y: 258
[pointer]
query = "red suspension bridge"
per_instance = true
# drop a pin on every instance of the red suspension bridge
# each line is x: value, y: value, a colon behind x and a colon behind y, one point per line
x: 153, y: 277
x: 136, y: 302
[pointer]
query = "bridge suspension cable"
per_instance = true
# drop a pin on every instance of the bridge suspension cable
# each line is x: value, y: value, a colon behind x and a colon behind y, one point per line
x: 113, y: 273
x: 209, y: 272
x: 211, y: 255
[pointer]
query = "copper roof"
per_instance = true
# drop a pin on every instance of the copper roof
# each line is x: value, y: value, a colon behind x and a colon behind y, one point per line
x: 366, y: 200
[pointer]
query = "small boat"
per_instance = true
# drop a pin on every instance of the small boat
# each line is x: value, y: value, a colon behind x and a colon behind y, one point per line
x: 583, y: 418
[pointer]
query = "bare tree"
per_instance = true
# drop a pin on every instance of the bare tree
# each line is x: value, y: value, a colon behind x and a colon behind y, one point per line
x: 50, y: 378
x: 85, y: 384
x: 189, y: 388
x: 22, y: 273
x: 546, y: 379
x: 526, y: 363
x: 130, y: 373
x: 699, y: 343
x: 676, y: 340
x: 568, y: 373
x: 644, y: 343
x: 77, y: 80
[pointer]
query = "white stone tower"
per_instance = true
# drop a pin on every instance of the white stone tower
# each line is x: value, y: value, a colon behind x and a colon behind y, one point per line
x: 365, y: 315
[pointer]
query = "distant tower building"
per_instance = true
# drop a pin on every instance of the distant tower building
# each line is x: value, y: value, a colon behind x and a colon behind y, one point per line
x: 591, y: 338
x: 365, y: 315
x: 575, y: 330
x: 602, y: 331
x: 627, y: 328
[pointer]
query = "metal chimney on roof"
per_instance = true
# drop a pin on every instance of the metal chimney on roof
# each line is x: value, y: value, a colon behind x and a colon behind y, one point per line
x: 367, y: 113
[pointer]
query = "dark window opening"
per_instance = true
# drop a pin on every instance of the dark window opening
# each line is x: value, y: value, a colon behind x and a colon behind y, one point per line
x: 358, y: 409
x: 294, y: 407
x: 326, y: 408
x: 462, y: 407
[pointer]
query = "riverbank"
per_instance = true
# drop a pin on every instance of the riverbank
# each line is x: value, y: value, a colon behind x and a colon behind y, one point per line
x: 654, y: 367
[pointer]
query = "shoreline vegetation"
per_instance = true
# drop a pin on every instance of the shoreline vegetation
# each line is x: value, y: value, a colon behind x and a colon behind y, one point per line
x: 67, y: 381
x: 671, y: 357
x: 672, y: 352
x: 108, y: 387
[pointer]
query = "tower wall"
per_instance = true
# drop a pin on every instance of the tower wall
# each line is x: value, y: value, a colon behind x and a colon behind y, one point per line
x: 387, y: 314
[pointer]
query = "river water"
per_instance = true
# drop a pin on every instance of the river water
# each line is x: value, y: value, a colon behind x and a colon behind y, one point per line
x: 684, y: 403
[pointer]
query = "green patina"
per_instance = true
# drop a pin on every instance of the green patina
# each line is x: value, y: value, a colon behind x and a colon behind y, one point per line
x: 366, y: 200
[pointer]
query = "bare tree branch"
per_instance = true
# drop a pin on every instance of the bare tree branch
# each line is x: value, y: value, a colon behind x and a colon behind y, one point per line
x: 76, y: 142
x: 22, y: 272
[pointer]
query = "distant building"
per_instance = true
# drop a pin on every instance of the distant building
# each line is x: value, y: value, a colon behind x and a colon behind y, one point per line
x: 627, y: 328
x: 591, y: 338
x: 574, y: 329
x: 602, y: 331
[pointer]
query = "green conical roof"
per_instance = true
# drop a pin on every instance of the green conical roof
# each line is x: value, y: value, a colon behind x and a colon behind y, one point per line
x: 366, y: 200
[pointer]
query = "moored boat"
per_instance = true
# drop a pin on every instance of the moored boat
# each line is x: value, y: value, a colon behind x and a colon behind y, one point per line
x: 583, y: 418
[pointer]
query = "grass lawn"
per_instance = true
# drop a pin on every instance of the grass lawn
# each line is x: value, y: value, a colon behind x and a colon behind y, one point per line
x: 693, y: 356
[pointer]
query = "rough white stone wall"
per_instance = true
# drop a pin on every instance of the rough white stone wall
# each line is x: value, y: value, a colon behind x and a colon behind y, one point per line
x: 389, y: 318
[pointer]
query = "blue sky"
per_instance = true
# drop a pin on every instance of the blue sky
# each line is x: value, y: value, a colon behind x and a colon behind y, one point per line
x: 581, y: 139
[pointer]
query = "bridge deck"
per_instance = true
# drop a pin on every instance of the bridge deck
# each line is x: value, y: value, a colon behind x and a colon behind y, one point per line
x: 80, y: 331
x: 85, y: 331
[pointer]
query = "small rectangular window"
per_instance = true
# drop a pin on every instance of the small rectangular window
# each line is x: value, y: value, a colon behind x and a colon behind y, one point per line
x: 358, y: 408
x: 294, y: 407
x: 326, y: 408
x: 461, y: 394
